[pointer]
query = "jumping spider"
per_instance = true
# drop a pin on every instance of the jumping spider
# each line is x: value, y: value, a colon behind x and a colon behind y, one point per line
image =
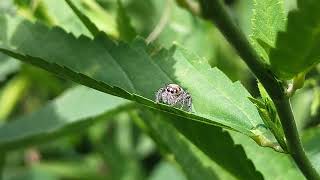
x: 173, y: 94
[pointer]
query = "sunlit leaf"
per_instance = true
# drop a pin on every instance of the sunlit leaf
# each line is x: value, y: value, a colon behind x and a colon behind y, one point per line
x: 268, y: 18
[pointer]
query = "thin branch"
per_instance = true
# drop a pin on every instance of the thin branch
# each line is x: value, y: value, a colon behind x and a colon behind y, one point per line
x: 215, y: 11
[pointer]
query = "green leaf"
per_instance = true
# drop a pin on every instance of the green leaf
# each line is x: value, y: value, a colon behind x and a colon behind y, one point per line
x: 66, y: 114
x: 122, y: 163
x: 84, y: 19
x: 64, y: 17
x: 301, y: 103
x: 311, y: 144
x: 63, y: 115
x: 84, y: 168
x: 8, y: 66
x: 218, y: 145
x: 297, y: 49
x: 194, y: 163
x: 271, y: 164
x: 268, y: 18
x: 186, y: 29
x: 126, y: 31
x: 270, y: 117
x: 128, y: 71
x: 101, y: 18
x: 281, y: 166
x: 166, y: 170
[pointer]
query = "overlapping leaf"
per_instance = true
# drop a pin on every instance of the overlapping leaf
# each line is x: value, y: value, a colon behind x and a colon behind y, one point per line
x: 268, y: 18
x: 194, y: 163
x: 219, y: 146
x: 271, y: 164
x: 282, y: 165
x: 8, y: 66
x: 297, y: 49
x: 128, y: 71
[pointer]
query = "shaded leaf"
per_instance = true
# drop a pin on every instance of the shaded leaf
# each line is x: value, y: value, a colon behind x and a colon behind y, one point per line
x: 126, y: 30
x: 194, y: 163
x: 297, y: 49
x: 218, y: 145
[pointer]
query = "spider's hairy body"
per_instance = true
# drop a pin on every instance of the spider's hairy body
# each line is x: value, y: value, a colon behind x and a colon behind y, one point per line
x: 173, y: 94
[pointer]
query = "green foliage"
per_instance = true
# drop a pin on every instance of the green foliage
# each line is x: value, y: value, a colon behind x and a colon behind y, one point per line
x: 268, y: 19
x: 90, y: 26
x: 185, y: 153
x: 269, y: 116
x: 59, y: 117
x: 126, y: 31
x: 166, y: 170
x: 7, y: 66
x: 218, y: 145
x: 282, y: 166
x: 54, y: 119
x: 51, y: 131
x: 297, y: 49
x: 118, y: 71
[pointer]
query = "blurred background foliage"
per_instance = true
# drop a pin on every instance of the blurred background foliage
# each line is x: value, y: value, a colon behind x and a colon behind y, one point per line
x: 117, y: 148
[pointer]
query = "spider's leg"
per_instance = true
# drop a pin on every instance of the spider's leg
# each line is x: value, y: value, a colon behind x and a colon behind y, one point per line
x: 159, y: 95
x: 179, y: 100
x: 188, y: 101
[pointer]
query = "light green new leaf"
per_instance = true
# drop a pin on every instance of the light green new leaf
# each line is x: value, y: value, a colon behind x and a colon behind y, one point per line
x: 128, y: 71
x: 76, y: 109
x: 297, y: 49
x: 268, y: 18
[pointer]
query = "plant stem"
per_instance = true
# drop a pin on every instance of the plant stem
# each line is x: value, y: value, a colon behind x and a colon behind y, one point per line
x: 215, y: 11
